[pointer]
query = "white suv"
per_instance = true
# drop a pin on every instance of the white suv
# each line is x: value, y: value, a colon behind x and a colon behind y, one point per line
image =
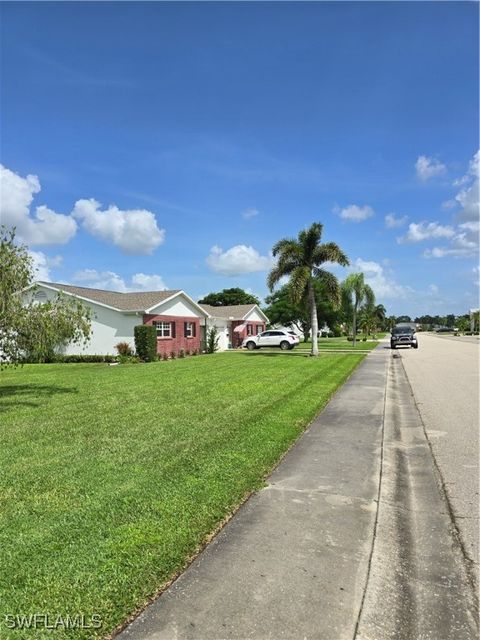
x: 272, y: 338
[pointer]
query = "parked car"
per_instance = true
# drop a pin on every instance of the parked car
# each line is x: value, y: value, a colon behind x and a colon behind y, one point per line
x: 403, y: 335
x: 271, y: 338
x: 294, y: 335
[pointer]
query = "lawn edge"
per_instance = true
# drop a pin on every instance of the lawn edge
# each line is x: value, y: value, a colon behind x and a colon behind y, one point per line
x: 214, y: 533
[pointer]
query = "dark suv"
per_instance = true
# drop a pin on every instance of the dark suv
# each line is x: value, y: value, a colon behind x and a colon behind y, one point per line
x: 403, y: 335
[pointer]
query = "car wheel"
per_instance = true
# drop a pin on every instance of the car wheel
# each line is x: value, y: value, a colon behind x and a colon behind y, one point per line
x: 415, y: 346
x: 251, y: 346
x: 284, y: 345
x: 393, y: 346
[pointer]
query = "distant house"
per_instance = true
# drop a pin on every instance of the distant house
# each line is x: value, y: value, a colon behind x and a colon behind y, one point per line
x: 235, y: 322
x: 178, y: 319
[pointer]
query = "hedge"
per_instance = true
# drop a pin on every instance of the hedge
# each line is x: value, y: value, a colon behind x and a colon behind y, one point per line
x: 146, y: 342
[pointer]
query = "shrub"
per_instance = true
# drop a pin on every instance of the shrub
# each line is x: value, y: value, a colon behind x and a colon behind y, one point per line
x: 212, y: 340
x: 181, y: 353
x: 146, y: 342
x: 337, y: 331
x: 124, y: 349
x: 194, y: 352
x: 173, y: 355
x: 82, y: 357
x: 165, y: 356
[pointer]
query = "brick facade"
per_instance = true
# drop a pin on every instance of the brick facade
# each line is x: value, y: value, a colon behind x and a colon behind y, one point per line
x: 251, y: 328
x: 177, y: 340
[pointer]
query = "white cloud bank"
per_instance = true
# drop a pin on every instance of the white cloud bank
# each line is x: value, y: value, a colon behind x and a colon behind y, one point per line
x: 42, y: 264
x: 112, y: 281
x: 134, y: 231
x: 382, y: 283
x: 45, y: 226
x: 469, y: 196
x: 237, y: 260
x: 428, y: 167
x: 417, y: 232
x: 463, y: 244
x: 354, y: 213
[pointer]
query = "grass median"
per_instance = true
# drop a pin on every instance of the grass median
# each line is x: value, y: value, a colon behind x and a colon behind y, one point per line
x: 112, y: 477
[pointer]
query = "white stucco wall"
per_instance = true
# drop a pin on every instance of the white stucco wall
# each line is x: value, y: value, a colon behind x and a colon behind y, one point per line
x: 254, y: 316
x: 108, y: 327
x: 223, y: 328
x: 179, y: 306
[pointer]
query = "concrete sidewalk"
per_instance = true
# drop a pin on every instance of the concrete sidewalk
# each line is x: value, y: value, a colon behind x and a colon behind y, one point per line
x: 293, y: 561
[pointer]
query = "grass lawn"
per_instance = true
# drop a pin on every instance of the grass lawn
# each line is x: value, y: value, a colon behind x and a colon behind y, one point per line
x: 340, y: 343
x: 111, y: 477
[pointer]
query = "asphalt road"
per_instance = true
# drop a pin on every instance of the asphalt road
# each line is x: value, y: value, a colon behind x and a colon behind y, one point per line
x: 444, y: 376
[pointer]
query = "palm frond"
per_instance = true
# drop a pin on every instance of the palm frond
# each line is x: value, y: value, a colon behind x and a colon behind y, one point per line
x: 309, y: 239
x: 330, y: 285
x: 298, y: 283
x: 286, y: 245
x: 330, y: 252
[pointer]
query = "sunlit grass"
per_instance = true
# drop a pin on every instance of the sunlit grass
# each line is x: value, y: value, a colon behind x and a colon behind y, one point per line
x: 111, y: 477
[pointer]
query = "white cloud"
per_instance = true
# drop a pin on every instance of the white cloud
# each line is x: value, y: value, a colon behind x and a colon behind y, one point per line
x: 42, y: 264
x: 469, y: 196
x: 382, y: 283
x: 42, y: 228
x: 428, y: 167
x: 476, y: 275
x: 134, y: 231
x: 110, y: 280
x: 238, y: 259
x: 250, y: 213
x: 433, y: 289
x: 463, y: 244
x: 417, y: 232
x: 392, y: 222
x: 148, y: 282
x: 354, y: 213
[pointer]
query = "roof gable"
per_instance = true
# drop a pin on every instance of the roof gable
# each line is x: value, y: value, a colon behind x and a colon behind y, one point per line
x: 232, y: 312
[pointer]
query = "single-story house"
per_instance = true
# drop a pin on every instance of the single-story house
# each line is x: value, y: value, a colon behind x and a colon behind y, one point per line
x: 179, y: 320
x: 235, y: 322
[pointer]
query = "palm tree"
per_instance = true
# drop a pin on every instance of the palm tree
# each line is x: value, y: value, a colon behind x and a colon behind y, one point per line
x: 301, y: 260
x: 357, y: 291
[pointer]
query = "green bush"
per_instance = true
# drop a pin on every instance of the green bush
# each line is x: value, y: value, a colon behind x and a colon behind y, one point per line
x: 337, y: 331
x: 181, y: 353
x: 173, y: 355
x: 146, y: 342
x: 165, y: 356
x: 83, y: 358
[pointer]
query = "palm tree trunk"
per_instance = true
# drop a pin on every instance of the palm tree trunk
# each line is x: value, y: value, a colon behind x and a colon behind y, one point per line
x: 313, y: 313
x: 354, y: 323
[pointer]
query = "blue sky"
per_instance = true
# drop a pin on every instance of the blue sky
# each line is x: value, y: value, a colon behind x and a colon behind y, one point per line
x: 171, y: 144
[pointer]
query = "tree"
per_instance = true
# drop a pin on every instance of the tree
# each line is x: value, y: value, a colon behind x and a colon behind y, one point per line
x: 357, y: 291
x: 15, y: 274
x: 301, y: 261
x: 212, y: 339
x: 31, y: 330
x: 284, y: 311
x: 404, y: 319
x: 228, y: 297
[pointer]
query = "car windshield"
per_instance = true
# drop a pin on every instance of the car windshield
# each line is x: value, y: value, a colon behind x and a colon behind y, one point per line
x: 401, y: 330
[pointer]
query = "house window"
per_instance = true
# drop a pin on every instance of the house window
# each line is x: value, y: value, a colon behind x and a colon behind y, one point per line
x: 190, y: 329
x: 258, y: 328
x: 249, y: 330
x: 164, y: 329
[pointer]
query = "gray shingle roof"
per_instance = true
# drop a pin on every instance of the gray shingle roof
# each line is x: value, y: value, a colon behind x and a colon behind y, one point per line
x: 235, y: 311
x: 134, y: 301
